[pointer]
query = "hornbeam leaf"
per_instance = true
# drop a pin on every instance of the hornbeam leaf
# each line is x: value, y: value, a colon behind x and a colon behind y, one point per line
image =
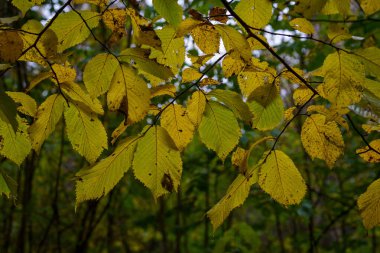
x: 47, y: 117
x: 235, y: 196
x: 8, y: 111
x: 370, y: 6
x: 24, y: 6
x: 14, y: 145
x: 190, y: 74
x: 371, y: 60
x: 173, y: 49
x: 234, y: 102
x: 322, y: 139
x: 207, y: 38
x: 219, y: 129
x: 166, y: 89
x: 63, y: 73
x: 343, y: 76
x: 302, y: 25
x: 195, y: 107
x: 169, y: 10
x: 71, y: 30
x: 8, y: 185
x: 11, y: 46
x: 235, y: 42
x: 157, y: 162
x: 99, y: 179
x: 28, y: 105
x: 98, y: 73
x: 368, y: 154
x: 177, y: 123
x: 128, y: 93
x: 266, y: 106
x: 85, y: 132
x: 140, y: 58
x: 255, y: 13
x: 79, y: 97
x: 279, y: 177
x: 369, y: 205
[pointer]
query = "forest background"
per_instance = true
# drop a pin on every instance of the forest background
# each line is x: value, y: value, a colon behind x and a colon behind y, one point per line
x: 253, y: 124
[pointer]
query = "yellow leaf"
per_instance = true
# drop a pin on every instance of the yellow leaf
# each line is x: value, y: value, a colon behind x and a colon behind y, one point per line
x: 170, y: 10
x: 37, y: 79
x: 219, y: 129
x: 115, y: 20
x: 266, y: 106
x: 302, y: 25
x: 289, y: 113
x: 157, y: 162
x: 338, y: 32
x: 256, y: 13
x: 370, y: 6
x: 195, y: 107
x: 199, y: 61
x: 234, y: 102
x: 190, y: 74
x: 98, y: 73
x: 254, y: 44
x: 308, y: 8
x: 80, y: 98
x: 143, y: 32
x: 336, y: 7
x: 232, y: 66
x: 129, y: 93
x: 301, y: 95
x: 71, y: 30
x: 207, y: 38
x: 249, y: 81
x: 369, y: 205
x: 343, y: 76
x: 332, y: 114
x: 99, y: 179
x: 208, y: 81
x: 11, y: 46
x: 368, y: 154
x: 63, y: 73
x: 234, y: 42
x: 240, y: 159
x: 167, y: 89
x: 85, y: 132
x: 322, y: 139
x: 371, y: 127
x: 177, y: 123
x: 235, y: 196
x: 279, y: 177
x: 15, y: 145
x: 186, y: 26
x: 173, y: 49
x: 48, y: 115
x: 28, y: 105
x: 371, y: 60
x: 24, y: 6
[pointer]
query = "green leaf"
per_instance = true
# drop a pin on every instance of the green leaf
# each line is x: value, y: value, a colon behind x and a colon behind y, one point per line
x: 279, y: 177
x: 169, y: 10
x: 85, y: 132
x: 98, y: 73
x: 157, y: 162
x: 219, y: 129
x: 234, y: 102
x: 266, y: 105
x: 8, y: 185
x: 99, y: 179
